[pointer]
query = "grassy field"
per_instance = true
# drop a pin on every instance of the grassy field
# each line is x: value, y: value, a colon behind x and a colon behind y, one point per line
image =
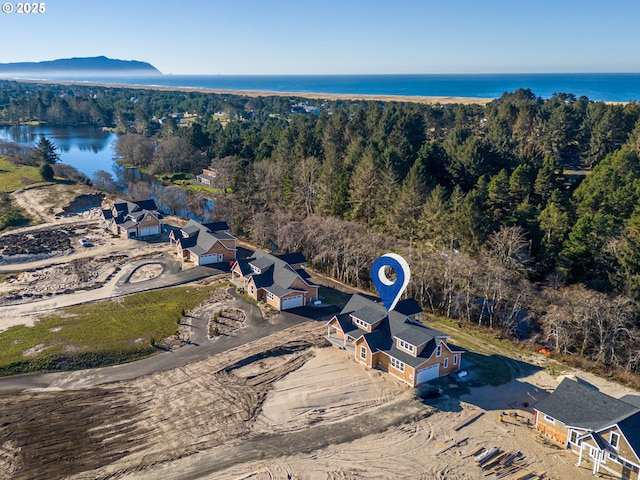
x: 14, y: 177
x: 98, y: 334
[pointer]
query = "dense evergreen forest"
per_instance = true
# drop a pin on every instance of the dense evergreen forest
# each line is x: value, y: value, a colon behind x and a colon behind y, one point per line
x: 522, y: 215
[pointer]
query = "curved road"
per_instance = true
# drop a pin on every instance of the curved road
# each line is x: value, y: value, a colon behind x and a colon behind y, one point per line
x: 171, y: 275
x: 256, y: 328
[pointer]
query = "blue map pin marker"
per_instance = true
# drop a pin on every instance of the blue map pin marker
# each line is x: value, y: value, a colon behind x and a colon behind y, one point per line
x: 390, y: 291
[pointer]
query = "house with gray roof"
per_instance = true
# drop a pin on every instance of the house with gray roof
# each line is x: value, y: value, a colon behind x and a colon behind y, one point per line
x: 204, y: 243
x: 133, y: 219
x: 280, y: 280
x: 394, y: 341
x: 603, y: 431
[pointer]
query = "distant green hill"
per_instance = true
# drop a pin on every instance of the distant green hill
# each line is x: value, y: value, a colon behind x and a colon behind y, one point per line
x: 86, y: 66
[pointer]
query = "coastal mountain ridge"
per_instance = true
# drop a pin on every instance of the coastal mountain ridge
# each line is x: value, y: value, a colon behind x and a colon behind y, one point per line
x: 92, y: 65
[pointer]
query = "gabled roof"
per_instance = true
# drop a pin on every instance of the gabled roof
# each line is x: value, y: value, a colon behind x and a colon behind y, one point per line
x: 201, y: 238
x: 348, y: 327
x: 417, y: 334
x: 294, y: 258
x: 408, y: 307
x: 578, y: 405
x: 217, y: 226
x: 369, y: 315
x: 630, y: 428
x: 394, y: 325
x: 128, y: 207
x: 601, y: 443
x: 135, y: 210
x: 275, y: 272
x: 261, y: 263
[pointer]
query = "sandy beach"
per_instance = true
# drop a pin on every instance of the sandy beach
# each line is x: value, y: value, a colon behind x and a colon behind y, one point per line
x: 425, y: 100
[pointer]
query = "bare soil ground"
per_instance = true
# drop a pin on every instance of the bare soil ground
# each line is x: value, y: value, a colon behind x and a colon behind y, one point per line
x: 280, y: 407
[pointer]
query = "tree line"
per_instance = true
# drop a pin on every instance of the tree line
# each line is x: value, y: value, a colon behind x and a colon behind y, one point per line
x: 521, y: 215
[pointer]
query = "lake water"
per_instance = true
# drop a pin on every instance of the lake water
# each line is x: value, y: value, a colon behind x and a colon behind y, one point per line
x: 85, y: 148
x: 92, y: 149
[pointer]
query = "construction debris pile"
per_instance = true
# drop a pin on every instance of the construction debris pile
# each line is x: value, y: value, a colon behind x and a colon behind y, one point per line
x: 512, y: 465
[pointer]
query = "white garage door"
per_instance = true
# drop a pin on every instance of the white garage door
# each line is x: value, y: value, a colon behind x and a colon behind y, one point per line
x: 209, y: 259
x: 429, y: 373
x: 144, y: 231
x: 292, y: 302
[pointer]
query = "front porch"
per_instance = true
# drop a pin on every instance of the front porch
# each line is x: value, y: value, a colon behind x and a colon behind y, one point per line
x: 341, y: 343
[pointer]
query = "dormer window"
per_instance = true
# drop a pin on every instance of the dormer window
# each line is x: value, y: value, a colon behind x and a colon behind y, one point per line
x: 406, y: 346
x: 360, y: 323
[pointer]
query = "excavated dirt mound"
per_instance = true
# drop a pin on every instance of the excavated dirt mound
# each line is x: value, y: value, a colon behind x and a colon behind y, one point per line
x: 36, y: 242
x: 83, y: 202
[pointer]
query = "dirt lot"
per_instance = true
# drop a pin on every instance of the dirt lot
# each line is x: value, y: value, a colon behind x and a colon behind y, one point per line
x: 281, y: 407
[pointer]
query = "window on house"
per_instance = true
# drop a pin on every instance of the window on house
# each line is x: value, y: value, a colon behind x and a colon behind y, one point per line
x: 270, y: 296
x: 407, y: 346
x: 550, y: 420
x: 614, y: 440
x: 438, y: 350
x: 363, y: 353
x: 455, y: 359
x: 446, y: 363
x: 573, y: 437
x: 397, y: 364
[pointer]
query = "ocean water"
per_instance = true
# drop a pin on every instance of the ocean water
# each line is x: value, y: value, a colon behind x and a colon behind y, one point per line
x: 614, y: 87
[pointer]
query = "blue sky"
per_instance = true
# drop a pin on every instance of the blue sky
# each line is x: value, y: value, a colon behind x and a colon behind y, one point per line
x: 334, y: 36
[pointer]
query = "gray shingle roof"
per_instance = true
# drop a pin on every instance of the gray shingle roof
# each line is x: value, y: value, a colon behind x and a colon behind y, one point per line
x: 201, y: 238
x: 128, y: 213
x: 630, y: 427
x: 275, y: 272
x: 578, y: 405
x: 279, y: 291
x: 408, y: 306
x: 394, y: 324
x: 348, y: 327
x: 369, y: 315
x: 293, y: 258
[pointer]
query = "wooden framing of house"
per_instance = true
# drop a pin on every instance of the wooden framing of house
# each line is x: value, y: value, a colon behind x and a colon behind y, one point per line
x: 394, y: 341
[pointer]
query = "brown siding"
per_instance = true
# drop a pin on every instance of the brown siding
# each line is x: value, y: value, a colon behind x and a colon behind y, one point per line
x: 149, y: 221
x: 299, y: 284
x: 275, y: 303
x: 361, y: 343
x: 251, y: 284
x: 383, y: 362
x: 336, y: 325
x: 218, y: 248
x: 624, y: 449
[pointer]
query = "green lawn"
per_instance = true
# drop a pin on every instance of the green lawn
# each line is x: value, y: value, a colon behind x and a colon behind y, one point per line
x: 14, y: 177
x: 98, y: 334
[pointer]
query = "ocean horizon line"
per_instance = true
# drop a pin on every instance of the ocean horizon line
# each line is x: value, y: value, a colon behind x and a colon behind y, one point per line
x: 608, y: 87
